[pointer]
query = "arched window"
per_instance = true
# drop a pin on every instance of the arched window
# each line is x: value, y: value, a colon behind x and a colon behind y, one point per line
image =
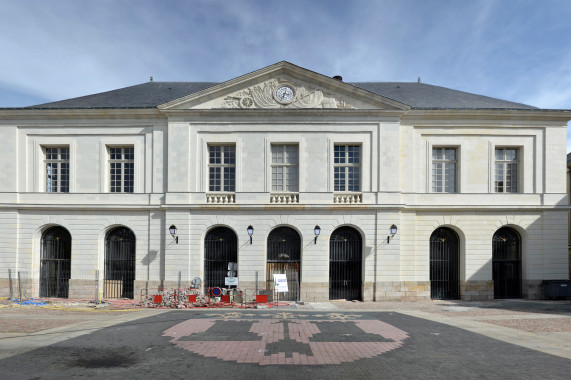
x: 506, y: 263
x: 55, y: 264
x: 220, y: 256
x: 119, y: 263
x: 284, y: 257
x: 444, y: 265
x: 345, y: 264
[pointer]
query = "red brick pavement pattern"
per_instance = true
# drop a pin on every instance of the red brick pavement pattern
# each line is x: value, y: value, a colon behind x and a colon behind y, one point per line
x: 272, y: 331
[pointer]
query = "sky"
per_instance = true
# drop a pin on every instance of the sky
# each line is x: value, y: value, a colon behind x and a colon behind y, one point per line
x: 517, y: 50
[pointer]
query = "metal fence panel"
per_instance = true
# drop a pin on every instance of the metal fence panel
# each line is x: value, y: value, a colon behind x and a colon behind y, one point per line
x: 506, y: 263
x: 444, y: 265
x: 345, y: 264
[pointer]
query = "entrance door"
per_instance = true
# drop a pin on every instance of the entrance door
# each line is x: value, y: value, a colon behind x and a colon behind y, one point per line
x: 55, y: 264
x: 444, y: 265
x: 345, y: 264
x: 220, y: 249
x: 119, y: 264
x: 506, y: 262
x: 284, y: 254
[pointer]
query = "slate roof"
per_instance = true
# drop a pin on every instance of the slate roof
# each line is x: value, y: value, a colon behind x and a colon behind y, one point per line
x: 145, y: 95
x: 415, y: 95
x: 426, y: 96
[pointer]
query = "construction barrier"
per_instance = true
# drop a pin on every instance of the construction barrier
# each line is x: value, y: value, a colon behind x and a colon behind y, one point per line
x: 173, y: 298
x: 209, y: 297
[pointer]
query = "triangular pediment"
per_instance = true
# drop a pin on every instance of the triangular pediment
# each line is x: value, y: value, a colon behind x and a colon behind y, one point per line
x: 283, y: 86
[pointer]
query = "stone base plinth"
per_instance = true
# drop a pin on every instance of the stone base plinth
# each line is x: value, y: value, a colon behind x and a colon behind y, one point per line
x: 368, y: 291
x: 82, y: 289
x: 5, y: 287
x: 532, y: 289
x: 317, y: 291
x: 314, y: 291
x: 477, y: 291
x: 402, y: 291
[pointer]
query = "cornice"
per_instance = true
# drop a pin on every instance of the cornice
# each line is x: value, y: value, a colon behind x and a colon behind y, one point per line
x: 281, y: 113
x: 80, y: 113
x: 307, y: 207
x: 415, y: 116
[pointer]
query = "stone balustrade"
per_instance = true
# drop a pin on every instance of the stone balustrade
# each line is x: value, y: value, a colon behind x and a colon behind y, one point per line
x: 220, y: 198
x: 284, y: 198
x: 347, y: 198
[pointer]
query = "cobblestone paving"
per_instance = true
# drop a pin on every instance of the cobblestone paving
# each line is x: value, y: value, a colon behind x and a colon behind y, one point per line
x: 268, y: 344
x: 299, y: 339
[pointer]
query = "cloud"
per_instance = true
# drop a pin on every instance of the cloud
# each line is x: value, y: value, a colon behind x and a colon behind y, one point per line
x: 18, y: 97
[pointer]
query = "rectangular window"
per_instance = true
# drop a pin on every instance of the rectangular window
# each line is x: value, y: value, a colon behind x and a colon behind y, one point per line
x: 57, y: 170
x: 506, y: 170
x: 122, y: 169
x: 285, y: 165
x: 222, y: 168
x: 443, y: 170
x: 347, y: 168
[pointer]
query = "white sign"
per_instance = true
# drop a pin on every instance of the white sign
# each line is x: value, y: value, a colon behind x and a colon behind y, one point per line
x: 229, y: 281
x: 280, y: 283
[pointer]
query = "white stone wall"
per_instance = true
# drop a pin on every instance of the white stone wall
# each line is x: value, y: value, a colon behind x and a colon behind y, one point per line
x: 87, y: 230
x: 404, y: 259
x: 543, y: 242
x: 171, y: 175
x: 475, y: 150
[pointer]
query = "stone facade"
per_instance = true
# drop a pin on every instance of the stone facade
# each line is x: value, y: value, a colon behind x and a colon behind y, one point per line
x: 477, y: 290
x: 171, y: 144
x: 402, y: 291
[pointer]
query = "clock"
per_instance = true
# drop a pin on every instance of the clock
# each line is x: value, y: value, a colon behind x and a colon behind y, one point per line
x: 285, y: 94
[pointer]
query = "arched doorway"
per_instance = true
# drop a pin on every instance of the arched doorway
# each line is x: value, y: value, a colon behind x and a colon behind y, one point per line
x: 345, y: 264
x: 506, y: 263
x: 119, y: 263
x: 55, y: 263
x: 284, y: 257
x: 220, y: 256
x: 444, y: 265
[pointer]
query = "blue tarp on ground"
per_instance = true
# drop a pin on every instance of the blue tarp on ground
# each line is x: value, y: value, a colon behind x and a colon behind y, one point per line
x: 31, y: 301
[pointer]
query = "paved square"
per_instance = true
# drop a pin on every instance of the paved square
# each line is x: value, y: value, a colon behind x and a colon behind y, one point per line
x: 263, y: 344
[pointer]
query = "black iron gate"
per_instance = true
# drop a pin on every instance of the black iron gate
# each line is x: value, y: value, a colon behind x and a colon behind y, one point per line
x: 345, y: 264
x: 119, y: 264
x: 284, y: 255
x: 506, y: 263
x: 220, y: 249
x: 444, y: 265
x: 55, y: 264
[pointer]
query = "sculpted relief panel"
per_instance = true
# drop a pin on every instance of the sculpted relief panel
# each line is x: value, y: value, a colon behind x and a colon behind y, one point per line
x: 282, y: 94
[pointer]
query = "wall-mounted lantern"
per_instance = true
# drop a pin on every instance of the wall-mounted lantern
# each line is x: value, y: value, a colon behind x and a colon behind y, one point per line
x: 173, y: 230
x: 393, y: 231
x: 316, y: 231
x: 250, y: 230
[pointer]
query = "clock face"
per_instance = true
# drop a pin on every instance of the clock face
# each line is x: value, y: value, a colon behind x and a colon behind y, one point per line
x: 284, y: 94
